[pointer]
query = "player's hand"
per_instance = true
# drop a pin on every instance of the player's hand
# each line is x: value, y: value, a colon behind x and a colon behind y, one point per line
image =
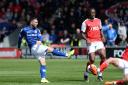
x: 103, y: 39
x: 88, y: 42
x: 38, y: 42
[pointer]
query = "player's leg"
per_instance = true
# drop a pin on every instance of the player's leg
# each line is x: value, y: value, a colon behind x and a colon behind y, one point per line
x: 39, y: 51
x: 59, y: 53
x: 102, y: 54
x: 43, y: 70
x: 115, y: 61
x: 124, y: 65
x: 91, y: 61
x: 104, y: 65
x: 91, y: 53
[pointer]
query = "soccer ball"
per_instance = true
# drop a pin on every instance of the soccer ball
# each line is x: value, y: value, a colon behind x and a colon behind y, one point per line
x: 92, y: 69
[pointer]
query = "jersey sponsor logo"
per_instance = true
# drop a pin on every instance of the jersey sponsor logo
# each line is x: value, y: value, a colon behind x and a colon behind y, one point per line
x: 95, y: 28
x: 32, y: 35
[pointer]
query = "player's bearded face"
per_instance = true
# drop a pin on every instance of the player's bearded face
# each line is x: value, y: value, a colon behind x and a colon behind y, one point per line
x: 93, y: 13
x: 34, y: 23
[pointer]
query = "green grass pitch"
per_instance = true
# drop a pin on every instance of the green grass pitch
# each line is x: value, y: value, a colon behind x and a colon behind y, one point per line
x: 59, y: 72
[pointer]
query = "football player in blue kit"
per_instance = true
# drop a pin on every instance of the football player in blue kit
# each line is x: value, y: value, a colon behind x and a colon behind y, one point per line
x: 34, y: 38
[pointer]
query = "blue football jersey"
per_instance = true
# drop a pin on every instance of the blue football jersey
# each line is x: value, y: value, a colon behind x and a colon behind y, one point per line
x: 31, y: 35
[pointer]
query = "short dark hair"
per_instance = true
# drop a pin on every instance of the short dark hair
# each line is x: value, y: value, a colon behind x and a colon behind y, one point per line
x: 32, y: 18
x: 89, y: 11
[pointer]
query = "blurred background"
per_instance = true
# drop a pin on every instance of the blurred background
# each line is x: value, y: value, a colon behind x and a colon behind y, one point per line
x: 60, y: 20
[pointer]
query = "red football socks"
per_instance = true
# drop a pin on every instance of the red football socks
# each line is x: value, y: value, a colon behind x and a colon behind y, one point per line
x: 103, y: 66
x: 120, y: 82
x: 102, y: 61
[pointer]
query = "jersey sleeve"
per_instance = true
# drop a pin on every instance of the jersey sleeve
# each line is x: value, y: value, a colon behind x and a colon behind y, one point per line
x: 21, y: 35
x: 40, y: 37
x: 83, y: 27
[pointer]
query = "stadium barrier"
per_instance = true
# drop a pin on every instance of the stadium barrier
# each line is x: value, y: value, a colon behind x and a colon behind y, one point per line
x: 79, y: 51
x: 10, y: 53
x: 114, y: 51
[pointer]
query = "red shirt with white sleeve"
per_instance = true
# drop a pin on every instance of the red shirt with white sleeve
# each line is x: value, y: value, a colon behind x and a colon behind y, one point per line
x: 92, y: 29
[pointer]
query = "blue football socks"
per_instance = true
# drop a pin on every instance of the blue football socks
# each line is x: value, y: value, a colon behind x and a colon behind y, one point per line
x: 59, y: 53
x: 43, y: 71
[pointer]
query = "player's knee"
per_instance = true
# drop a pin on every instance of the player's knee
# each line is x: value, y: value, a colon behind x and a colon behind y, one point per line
x: 50, y: 49
x: 42, y: 61
x: 111, y: 60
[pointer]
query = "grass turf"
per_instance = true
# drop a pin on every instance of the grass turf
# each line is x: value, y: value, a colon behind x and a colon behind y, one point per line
x: 59, y: 72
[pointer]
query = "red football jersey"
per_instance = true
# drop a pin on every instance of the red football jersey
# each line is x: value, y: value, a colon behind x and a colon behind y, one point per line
x: 92, y: 29
x: 125, y: 54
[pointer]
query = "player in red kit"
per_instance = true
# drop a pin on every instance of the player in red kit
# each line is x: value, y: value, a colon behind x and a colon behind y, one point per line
x: 120, y: 63
x: 91, y: 32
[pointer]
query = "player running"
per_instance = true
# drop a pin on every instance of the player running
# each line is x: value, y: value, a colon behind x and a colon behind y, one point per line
x: 34, y: 40
x: 91, y: 32
x: 120, y: 63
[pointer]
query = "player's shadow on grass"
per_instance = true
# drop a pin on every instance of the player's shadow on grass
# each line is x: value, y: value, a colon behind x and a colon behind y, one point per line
x: 74, y: 80
x: 19, y: 81
x: 70, y: 80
